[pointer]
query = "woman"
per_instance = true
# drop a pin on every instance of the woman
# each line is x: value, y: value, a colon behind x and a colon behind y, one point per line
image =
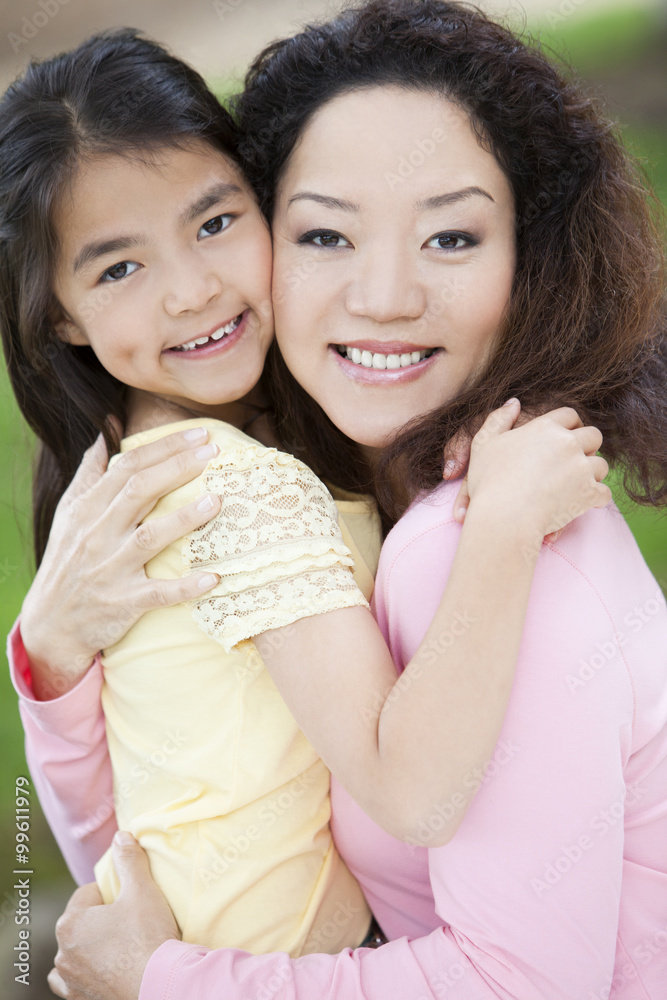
x: 554, y: 885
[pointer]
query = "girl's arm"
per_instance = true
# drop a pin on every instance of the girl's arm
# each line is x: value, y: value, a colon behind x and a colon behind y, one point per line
x: 402, y: 746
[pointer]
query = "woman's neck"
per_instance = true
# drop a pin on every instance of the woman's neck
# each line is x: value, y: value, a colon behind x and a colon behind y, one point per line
x: 249, y: 414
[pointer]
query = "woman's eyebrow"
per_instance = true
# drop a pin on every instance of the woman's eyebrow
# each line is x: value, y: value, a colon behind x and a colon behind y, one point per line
x: 218, y: 192
x: 440, y: 200
x: 326, y: 200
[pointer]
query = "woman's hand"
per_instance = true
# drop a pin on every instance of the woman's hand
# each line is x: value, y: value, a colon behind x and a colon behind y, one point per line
x: 544, y: 473
x: 103, y: 950
x: 91, y: 585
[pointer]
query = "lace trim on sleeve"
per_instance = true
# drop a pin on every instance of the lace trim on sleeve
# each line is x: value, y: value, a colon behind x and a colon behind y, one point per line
x: 276, y: 544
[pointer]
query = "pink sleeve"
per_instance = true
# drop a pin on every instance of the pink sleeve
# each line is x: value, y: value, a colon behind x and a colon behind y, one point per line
x: 398, y: 970
x: 535, y: 893
x: 67, y: 753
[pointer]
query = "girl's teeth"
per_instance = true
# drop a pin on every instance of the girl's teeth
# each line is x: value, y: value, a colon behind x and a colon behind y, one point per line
x: 370, y: 359
x: 218, y: 335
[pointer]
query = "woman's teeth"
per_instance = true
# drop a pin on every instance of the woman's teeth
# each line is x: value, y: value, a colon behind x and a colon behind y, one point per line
x: 371, y: 359
x: 218, y: 335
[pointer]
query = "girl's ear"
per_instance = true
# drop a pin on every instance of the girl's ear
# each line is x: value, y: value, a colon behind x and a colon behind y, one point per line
x: 67, y: 331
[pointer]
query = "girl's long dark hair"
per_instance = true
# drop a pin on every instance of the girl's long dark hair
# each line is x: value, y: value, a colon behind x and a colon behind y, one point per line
x: 586, y: 321
x: 116, y: 93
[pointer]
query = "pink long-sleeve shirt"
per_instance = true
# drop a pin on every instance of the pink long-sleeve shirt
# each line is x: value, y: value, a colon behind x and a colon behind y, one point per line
x: 555, y: 885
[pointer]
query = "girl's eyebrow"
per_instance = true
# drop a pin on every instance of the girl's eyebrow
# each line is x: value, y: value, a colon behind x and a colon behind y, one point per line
x: 218, y: 192
x: 99, y: 248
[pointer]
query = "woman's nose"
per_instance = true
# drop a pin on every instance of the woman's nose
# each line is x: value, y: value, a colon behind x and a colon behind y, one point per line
x: 190, y: 286
x: 386, y: 287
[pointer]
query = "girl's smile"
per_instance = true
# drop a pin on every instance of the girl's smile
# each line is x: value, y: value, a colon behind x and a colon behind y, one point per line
x: 164, y: 271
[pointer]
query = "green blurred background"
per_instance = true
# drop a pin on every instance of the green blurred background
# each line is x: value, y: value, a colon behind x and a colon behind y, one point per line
x: 622, y: 54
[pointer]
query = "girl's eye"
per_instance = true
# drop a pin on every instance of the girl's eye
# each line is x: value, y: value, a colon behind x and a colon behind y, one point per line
x: 121, y: 270
x: 215, y: 225
x: 451, y: 241
x: 324, y: 238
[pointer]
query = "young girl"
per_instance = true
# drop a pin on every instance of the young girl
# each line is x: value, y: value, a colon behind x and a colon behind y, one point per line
x: 154, y: 263
x: 554, y: 885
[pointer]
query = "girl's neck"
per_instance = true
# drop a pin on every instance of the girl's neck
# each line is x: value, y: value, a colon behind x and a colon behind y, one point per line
x: 249, y: 414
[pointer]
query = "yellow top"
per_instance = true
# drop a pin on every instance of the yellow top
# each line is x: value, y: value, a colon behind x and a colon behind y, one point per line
x: 211, y: 773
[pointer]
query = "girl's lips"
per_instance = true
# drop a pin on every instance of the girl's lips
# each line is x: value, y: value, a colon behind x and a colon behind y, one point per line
x: 380, y: 376
x: 215, y: 346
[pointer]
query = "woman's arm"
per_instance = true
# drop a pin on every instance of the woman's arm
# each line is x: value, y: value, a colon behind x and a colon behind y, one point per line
x: 90, y: 582
x: 399, y: 746
x: 533, y: 891
x: 91, y: 586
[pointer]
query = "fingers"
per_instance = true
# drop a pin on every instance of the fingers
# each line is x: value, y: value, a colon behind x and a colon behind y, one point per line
x: 567, y: 416
x: 154, y: 535
x: 131, y: 863
x: 142, y: 488
x: 457, y: 456
x: 167, y: 593
x: 498, y: 421
x: 85, y: 896
x: 589, y: 438
x: 155, y: 455
x: 92, y: 468
x: 56, y: 984
x: 462, y: 502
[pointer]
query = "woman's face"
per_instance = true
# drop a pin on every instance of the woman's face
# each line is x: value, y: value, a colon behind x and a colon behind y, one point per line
x: 394, y: 256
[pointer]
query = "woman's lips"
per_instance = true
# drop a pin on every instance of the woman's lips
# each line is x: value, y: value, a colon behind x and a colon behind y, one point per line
x: 384, y: 376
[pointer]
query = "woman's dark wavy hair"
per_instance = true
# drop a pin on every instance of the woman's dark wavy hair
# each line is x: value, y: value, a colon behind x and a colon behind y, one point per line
x: 585, y: 325
x: 116, y: 93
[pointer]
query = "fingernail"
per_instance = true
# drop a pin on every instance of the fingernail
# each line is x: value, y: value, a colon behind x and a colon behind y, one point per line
x: 208, y: 451
x: 450, y: 465
x: 205, y: 504
x: 196, y: 434
x: 510, y: 401
x: 207, y: 580
x: 123, y: 838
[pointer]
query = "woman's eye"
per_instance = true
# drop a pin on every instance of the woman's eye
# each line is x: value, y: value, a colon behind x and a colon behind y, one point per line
x: 450, y: 241
x: 324, y: 238
x: 214, y: 225
x: 121, y: 270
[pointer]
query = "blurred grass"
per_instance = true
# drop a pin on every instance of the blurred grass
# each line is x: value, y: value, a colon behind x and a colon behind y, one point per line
x: 624, y: 41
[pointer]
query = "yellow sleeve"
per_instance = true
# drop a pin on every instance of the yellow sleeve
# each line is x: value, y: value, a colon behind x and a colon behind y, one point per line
x: 276, y: 544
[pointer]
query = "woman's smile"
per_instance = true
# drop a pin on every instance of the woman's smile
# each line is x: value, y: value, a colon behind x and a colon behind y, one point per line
x: 389, y: 294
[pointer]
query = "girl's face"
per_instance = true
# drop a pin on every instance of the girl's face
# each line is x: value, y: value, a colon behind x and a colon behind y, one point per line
x: 164, y: 270
x: 394, y: 257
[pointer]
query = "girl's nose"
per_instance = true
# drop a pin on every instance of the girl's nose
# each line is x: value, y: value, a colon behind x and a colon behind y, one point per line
x: 190, y: 288
x: 386, y: 287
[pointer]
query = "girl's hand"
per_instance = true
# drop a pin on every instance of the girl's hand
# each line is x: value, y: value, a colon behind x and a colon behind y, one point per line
x: 103, y: 950
x: 91, y: 585
x: 543, y: 474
